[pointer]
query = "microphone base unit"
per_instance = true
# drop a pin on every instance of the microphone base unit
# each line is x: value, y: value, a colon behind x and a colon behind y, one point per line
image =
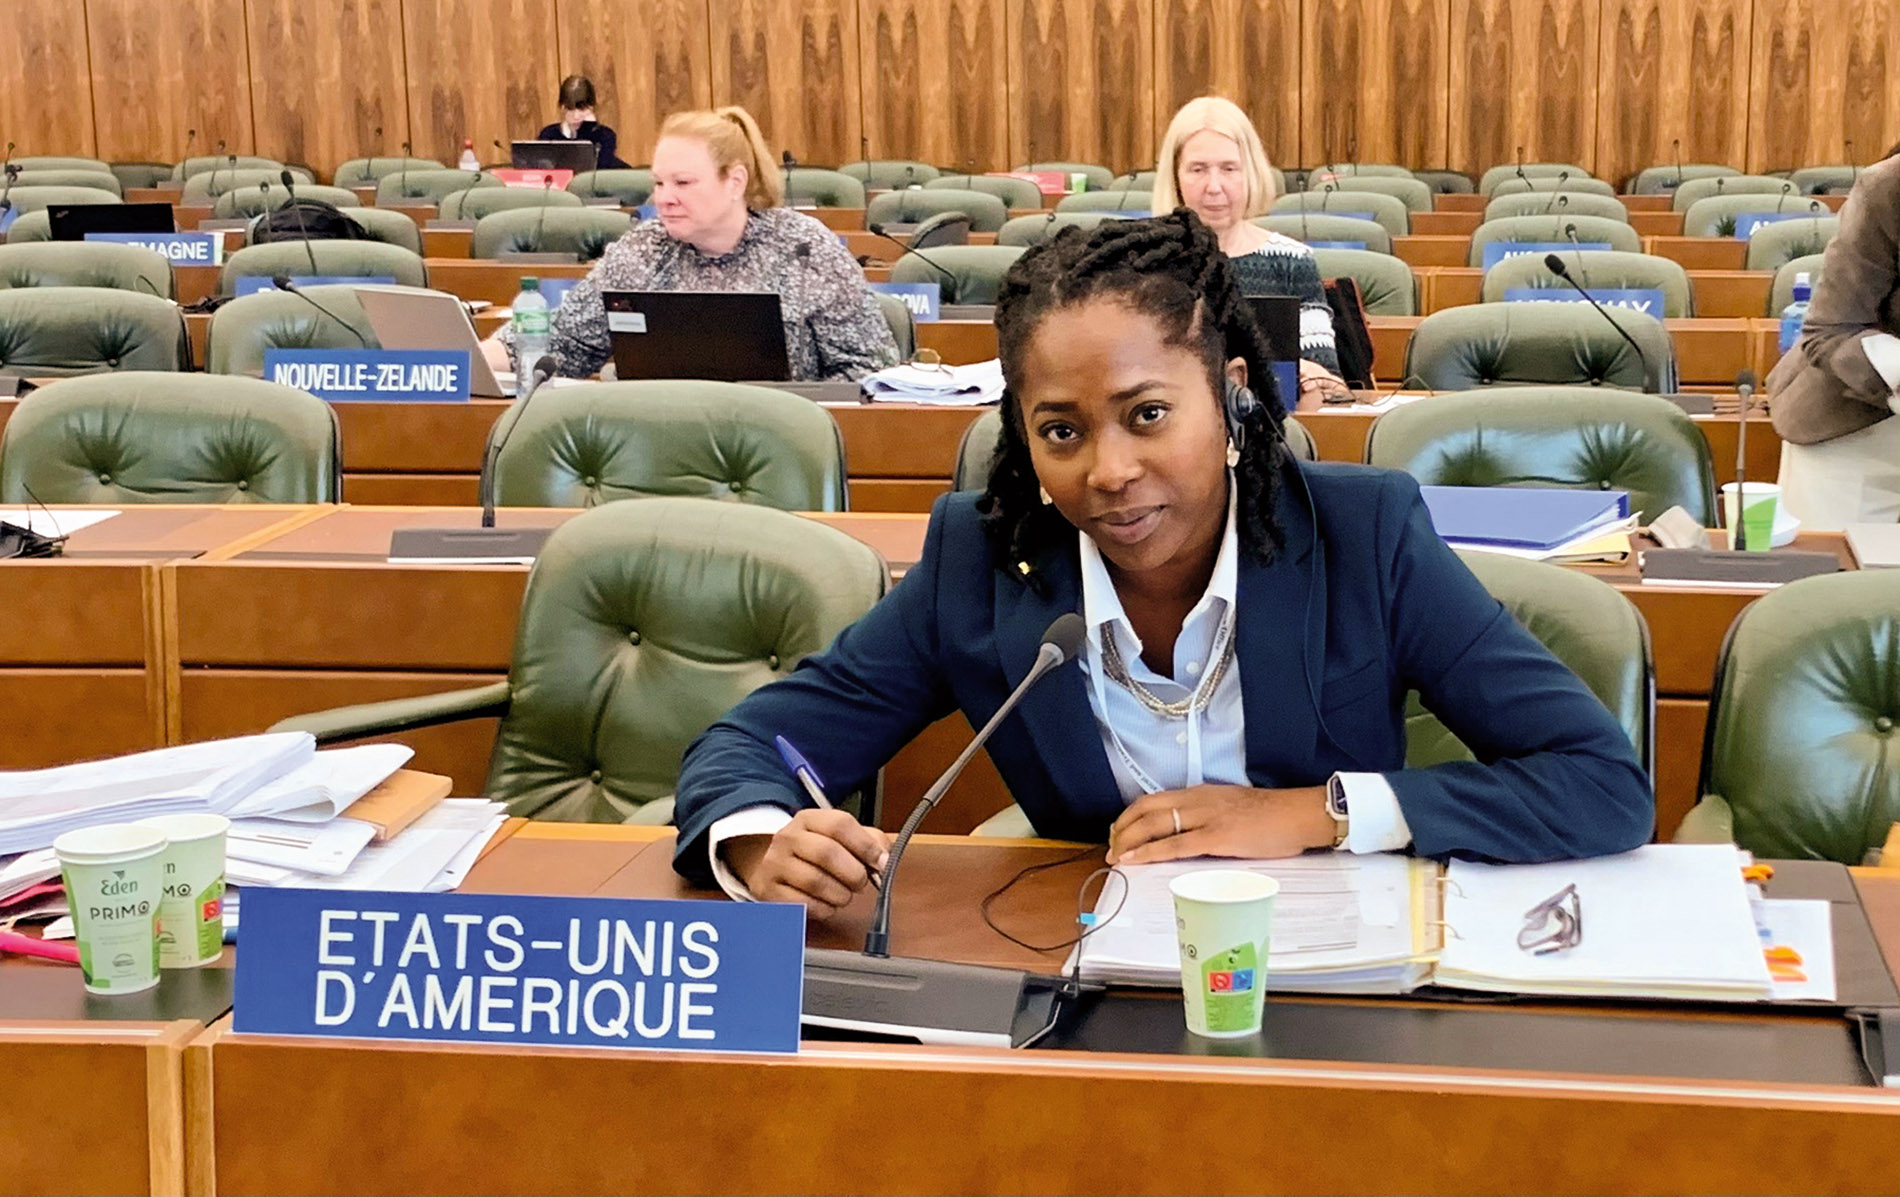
x: 523, y: 257
x: 467, y: 546
x: 928, y: 1001
x: 1726, y: 567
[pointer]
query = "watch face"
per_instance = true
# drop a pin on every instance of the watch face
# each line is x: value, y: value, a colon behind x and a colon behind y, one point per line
x: 1336, y: 797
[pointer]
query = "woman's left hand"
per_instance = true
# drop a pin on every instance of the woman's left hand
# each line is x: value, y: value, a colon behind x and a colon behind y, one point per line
x: 1322, y: 383
x: 1221, y: 821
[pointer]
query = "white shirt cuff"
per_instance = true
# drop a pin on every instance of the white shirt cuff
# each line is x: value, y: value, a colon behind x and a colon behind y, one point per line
x: 1377, y: 823
x: 1883, y: 353
x: 752, y: 820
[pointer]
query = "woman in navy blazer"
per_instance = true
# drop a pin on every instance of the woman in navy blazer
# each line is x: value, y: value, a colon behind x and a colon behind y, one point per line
x: 1205, y: 551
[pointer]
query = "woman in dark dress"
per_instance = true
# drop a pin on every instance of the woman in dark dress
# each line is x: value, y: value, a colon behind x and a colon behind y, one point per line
x: 578, y: 122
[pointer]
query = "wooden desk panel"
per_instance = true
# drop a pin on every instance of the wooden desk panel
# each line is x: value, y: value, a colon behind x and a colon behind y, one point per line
x: 1656, y: 224
x: 57, y: 716
x: 1700, y: 253
x: 446, y: 243
x: 1452, y: 287
x: 1710, y: 352
x: 1445, y: 224
x: 1732, y: 293
x: 901, y: 440
x: 1390, y: 337
x: 1460, y: 203
x: 959, y: 342
x: 1419, y: 250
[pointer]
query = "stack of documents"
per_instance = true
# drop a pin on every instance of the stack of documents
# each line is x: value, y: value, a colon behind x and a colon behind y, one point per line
x: 1539, y: 523
x: 955, y: 386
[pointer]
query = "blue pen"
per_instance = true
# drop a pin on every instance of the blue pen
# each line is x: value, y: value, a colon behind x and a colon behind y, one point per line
x: 814, y: 785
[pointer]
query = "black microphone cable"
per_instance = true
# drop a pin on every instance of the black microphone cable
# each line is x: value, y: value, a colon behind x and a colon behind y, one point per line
x: 282, y: 283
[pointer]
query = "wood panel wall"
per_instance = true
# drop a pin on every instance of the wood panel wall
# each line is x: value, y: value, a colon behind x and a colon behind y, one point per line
x: 973, y: 84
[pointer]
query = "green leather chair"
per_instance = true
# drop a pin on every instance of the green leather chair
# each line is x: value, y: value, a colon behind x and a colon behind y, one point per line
x: 26, y: 200
x: 581, y: 446
x: 586, y: 232
x: 1577, y: 438
x: 812, y: 187
x: 57, y: 162
x: 477, y: 202
x: 976, y: 271
x: 85, y: 264
x: 630, y: 188
x: 890, y: 173
x: 1491, y: 180
x: 390, y: 228
x: 1825, y: 180
x: 976, y: 452
x: 1607, y: 268
x: 139, y: 437
x: 914, y: 205
x: 1706, y: 188
x: 1447, y: 182
x: 223, y: 162
x: 1560, y: 203
x: 1485, y: 345
x: 31, y: 228
x: 1326, y: 226
x: 55, y: 332
x: 337, y: 259
x: 1387, y: 286
x: 1416, y: 196
x: 101, y: 178
x: 1099, y: 176
x: 207, y: 187
x: 1775, y: 245
x: 1781, y: 294
x: 1015, y: 193
x: 429, y: 186
x: 1025, y: 231
x: 1140, y: 180
x: 1558, y: 185
x: 643, y: 622
x: 362, y: 172
x: 1797, y: 761
x: 141, y: 174
x: 255, y: 201
x: 1617, y: 234
x: 244, y: 330
x: 1660, y: 180
x: 1716, y: 216
x: 1120, y: 200
x: 1388, y: 212
x: 1587, y: 624
x: 903, y: 324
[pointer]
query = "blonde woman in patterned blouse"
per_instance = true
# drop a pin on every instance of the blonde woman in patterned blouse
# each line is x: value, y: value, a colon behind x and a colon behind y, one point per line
x: 721, y: 228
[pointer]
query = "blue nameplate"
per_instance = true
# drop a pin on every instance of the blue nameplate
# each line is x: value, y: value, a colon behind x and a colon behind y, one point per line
x: 1335, y: 245
x: 1747, y: 222
x: 181, y: 249
x: 8, y: 217
x: 1647, y: 300
x: 388, y: 375
x: 1286, y: 376
x: 252, y: 284
x: 1497, y: 251
x: 1129, y: 214
x: 1337, y: 212
x: 646, y: 212
x: 554, y: 290
x: 503, y: 968
x: 923, y: 299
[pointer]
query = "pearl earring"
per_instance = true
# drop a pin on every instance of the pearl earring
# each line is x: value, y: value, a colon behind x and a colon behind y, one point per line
x: 1233, y: 455
x: 1044, y: 492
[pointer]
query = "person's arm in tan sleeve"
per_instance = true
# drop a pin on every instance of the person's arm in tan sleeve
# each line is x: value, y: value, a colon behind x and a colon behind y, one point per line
x: 1861, y: 270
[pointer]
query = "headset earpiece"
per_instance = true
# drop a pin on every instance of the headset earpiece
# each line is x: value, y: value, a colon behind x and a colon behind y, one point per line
x: 1240, y: 404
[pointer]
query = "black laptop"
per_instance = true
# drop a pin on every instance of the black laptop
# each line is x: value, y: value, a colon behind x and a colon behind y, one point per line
x: 71, y: 222
x: 578, y: 155
x: 727, y: 336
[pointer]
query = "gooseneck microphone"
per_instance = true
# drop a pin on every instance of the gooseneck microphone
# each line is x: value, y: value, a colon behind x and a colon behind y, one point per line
x: 1060, y: 643
x: 369, y: 168
x: 1556, y: 266
x: 787, y: 162
x: 1520, y: 169
x: 541, y: 221
x: 296, y: 209
x: 402, y: 186
x: 544, y: 369
x: 877, y: 230
x: 1745, y: 392
x: 1675, y: 151
x: 283, y: 283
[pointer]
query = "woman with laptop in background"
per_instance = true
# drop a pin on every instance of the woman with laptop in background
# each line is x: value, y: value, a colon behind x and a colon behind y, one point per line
x: 578, y: 123
x: 1213, y: 162
x: 720, y: 227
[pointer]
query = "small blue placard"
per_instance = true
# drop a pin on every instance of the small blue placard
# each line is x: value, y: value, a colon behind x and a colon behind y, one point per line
x: 923, y: 299
x: 1497, y: 251
x: 181, y: 249
x: 1747, y: 222
x: 1129, y: 214
x: 8, y: 217
x: 1647, y: 300
x: 554, y: 290
x: 646, y: 212
x: 385, y: 375
x: 252, y: 284
x: 503, y: 968
x: 1335, y: 245
x: 1286, y: 376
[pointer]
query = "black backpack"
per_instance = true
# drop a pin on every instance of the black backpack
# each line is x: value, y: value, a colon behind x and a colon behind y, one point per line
x: 312, y: 220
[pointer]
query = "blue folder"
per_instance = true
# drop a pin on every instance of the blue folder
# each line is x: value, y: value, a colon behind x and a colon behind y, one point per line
x: 1522, y: 517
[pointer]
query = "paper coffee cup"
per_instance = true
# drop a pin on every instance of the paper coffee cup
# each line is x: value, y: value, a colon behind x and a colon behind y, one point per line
x: 114, y: 879
x: 1759, y: 501
x: 191, y: 912
x: 1223, y: 919
x: 1078, y: 181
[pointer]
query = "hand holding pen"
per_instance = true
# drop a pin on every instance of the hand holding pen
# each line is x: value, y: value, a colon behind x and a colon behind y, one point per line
x: 814, y: 785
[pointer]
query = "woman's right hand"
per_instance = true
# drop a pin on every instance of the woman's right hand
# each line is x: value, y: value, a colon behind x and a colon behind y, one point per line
x: 822, y: 858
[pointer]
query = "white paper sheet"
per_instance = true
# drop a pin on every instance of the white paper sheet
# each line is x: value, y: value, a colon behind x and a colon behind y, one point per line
x: 58, y: 522
x: 325, y: 786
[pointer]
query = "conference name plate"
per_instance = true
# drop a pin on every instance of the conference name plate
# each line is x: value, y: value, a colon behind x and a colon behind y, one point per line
x: 388, y: 375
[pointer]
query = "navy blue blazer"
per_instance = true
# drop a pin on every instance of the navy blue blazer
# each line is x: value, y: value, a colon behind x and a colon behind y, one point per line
x: 1330, y: 637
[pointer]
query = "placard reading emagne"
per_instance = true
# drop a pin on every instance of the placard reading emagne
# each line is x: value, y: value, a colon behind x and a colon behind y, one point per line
x: 501, y: 968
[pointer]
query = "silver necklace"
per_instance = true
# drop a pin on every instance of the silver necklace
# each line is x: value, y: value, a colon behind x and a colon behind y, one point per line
x: 1223, y: 654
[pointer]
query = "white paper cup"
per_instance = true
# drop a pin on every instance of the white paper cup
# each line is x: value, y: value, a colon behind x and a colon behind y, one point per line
x: 191, y: 912
x: 114, y: 879
x: 1223, y: 919
x: 1760, y: 499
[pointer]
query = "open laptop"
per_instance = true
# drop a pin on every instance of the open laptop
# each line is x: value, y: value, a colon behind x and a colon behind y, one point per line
x: 576, y: 155
x: 727, y: 336
x: 409, y: 318
x: 71, y: 222
x: 1279, y: 319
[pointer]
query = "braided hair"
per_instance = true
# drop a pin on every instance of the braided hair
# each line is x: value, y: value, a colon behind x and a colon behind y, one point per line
x: 1172, y: 270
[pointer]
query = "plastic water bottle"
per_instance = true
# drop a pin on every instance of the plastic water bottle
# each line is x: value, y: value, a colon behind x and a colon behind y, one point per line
x: 529, y: 319
x: 469, y: 160
x: 1795, y: 314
